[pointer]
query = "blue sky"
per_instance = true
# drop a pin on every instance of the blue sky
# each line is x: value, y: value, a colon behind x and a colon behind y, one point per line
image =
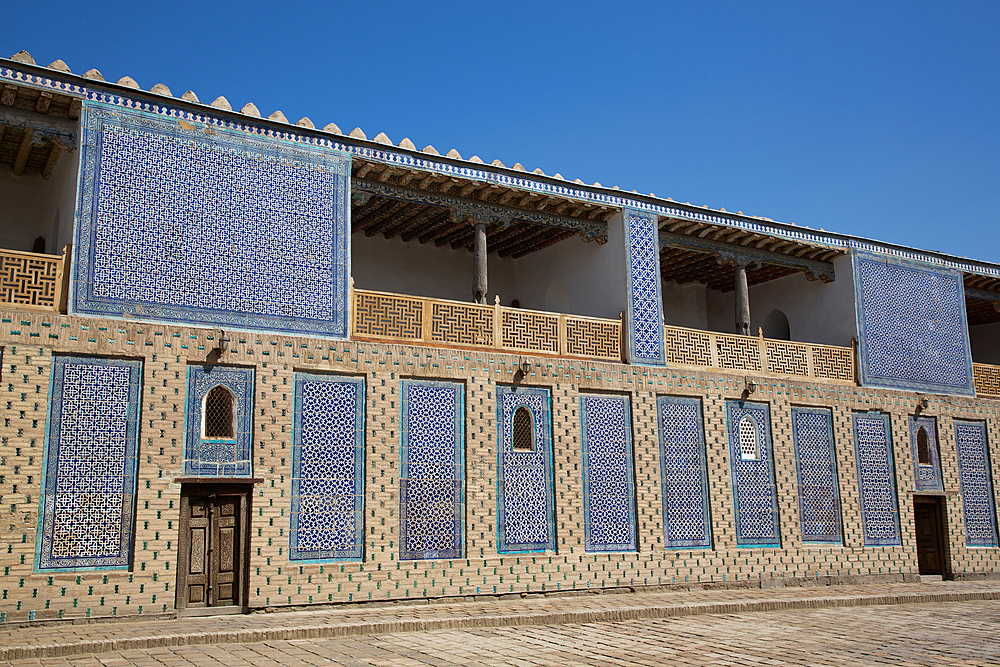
x: 874, y: 119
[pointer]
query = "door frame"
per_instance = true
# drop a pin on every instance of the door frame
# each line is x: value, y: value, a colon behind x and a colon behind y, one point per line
x: 939, y: 502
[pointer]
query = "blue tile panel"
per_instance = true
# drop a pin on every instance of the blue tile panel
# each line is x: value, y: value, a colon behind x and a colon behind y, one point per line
x: 683, y: 474
x: 645, y: 322
x: 223, y: 457
x: 912, y: 327
x: 182, y: 222
x: 754, y: 498
x: 89, y: 473
x: 525, y: 501
x: 816, y: 472
x: 608, y: 474
x: 432, y: 469
x: 328, y: 457
x: 977, y: 484
x: 927, y: 477
x: 876, y: 479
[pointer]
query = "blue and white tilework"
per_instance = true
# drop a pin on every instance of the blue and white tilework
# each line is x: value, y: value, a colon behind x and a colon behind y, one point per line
x: 432, y: 469
x: 205, y: 457
x: 328, y: 457
x: 187, y: 222
x: 89, y: 473
x: 754, y: 496
x: 525, y: 502
x: 645, y: 322
x: 912, y: 326
x: 816, y: 472
x: 608, y: 474
x: 927, y: 476
x: 683, y: 474
x: 977, y: 484
x: 876, y: 479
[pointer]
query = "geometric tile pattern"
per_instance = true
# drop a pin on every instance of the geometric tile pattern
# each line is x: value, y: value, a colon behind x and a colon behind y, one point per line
x: 185, y: 222
x: 876, y: 479
x: 608, y: 475
x: 328, y: 455
x: 524, y: 478
x: 89, y: 471
x: 977, y: 484
x: 754, y: 495
x: 816, y: 472
x: 683, y: 474
x: 912, y: 326
x: 927, y: 475
x: 645, y: 322
x: 432, y: 469
x: 218, y: 457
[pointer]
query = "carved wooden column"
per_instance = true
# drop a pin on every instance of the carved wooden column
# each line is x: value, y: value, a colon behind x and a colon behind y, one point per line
x: 479, y: 289
x: 742, y: 301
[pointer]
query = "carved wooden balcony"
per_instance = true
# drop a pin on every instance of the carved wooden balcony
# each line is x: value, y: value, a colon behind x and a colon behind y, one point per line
x: 987, y: 378
x: 34, y: 281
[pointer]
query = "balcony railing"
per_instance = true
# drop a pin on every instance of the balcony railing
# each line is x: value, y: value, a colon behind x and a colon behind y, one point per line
x: 987, y: 378
x: 35, y: 281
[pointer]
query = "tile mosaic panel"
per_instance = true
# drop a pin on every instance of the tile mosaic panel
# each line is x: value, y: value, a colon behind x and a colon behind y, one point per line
x: 816, y: 473
x: 683, y: 473
x: 978, y: 507
x: 525, y: 501
x: 89, y: 473
x: 912, y: 326
x: 876, y: 479
x: 927, y: 476
x: 189, y: 222
x: 755, y: 498
x: 205, y: 457
x: 328, y: 457
x: 432, y: 469
x: 608, y: 473
x: 642, y: 259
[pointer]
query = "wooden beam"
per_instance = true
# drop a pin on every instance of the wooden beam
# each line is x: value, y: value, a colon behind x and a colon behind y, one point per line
x: 50, y: 163
x: 43, y: 102
x: 21, y: 161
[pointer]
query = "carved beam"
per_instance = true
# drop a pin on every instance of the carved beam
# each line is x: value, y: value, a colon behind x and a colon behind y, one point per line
x: 60, y: 131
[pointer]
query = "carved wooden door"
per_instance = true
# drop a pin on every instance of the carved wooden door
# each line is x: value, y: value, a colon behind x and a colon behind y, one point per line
x: 927, y: 523
x: 211, y: 562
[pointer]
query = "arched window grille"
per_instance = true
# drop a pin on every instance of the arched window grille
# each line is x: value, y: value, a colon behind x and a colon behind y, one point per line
x: 749, y: 447
x: 523, y: 433
x: 923, y: 448
x: 219, y: 414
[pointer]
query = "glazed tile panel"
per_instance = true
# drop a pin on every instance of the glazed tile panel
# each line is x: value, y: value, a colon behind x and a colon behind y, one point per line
x: 816, y: 473
x: 524, y: 478
x: 978, y: 505
x: 876, y: 479
x: 754, y: 496
x: 645, y: 322
x: 186, y: 222
x: 912, y: 326
x: 927, y: 476
x: 89, y: 473
x: 328, y: 436
x: 608, y: 475
x: 432, y: 469
x: 229, y: 457
x: 683, y: 473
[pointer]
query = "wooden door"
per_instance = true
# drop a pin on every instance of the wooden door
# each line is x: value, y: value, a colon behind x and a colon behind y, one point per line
x: 212, y: 559
x: 930, y: 534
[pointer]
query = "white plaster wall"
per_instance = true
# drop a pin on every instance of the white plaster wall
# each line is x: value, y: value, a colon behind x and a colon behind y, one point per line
x: 985, y: 342
x: 31, y: 207
x: 685, y: 305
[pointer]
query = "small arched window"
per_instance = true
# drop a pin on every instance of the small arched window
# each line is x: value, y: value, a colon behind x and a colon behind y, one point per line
x: 923, y: 448
x: 219, y: 414
x: 523, y: 433
x: 749, y: 449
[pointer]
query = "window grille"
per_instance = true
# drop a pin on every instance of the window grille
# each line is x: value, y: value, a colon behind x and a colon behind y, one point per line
x: 923, y: 448
x: 219, y: 414
x: 749, y: 449
x: 523, y: 435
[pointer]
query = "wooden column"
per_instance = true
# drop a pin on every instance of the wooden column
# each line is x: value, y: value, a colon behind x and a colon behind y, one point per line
x: 742, y: 301
x: 479, y: 289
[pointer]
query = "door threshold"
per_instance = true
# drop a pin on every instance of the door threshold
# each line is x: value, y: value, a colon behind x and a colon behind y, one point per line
x: 931, y: 578
x: 212, y: 611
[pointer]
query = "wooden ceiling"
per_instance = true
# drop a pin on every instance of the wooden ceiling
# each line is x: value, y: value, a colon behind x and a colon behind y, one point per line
x: 24, y: 149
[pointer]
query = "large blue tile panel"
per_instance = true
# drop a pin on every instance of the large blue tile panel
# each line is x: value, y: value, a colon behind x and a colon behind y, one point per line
x: 89, y: 472
x: 645, y: 322
x: 876, y: 479
x: 187, y: 221
x: 525, y: 502
x: 816, y: 472
x: 927, y: 476
x: 977, y: 484
x: 683, y: 474
x: 328, y: 439
x: 432, y: 469
x: 231, y: 457
x: 608, y: 474
x: 755, y: 499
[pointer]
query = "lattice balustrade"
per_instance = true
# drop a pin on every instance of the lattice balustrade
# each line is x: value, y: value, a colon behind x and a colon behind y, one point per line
x: 29, y: 279
x: 987, y: 379
x: 834, y: 363
x: 526, y: 330
x: 787, y: 358
x: 388, y: 316
x: 465, y: 324
x: 684, y: 346
x: 738, y: 352
x: 593, y: 338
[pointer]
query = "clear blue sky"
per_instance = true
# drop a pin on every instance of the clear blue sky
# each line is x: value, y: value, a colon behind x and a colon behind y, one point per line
x: 879, y: 119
